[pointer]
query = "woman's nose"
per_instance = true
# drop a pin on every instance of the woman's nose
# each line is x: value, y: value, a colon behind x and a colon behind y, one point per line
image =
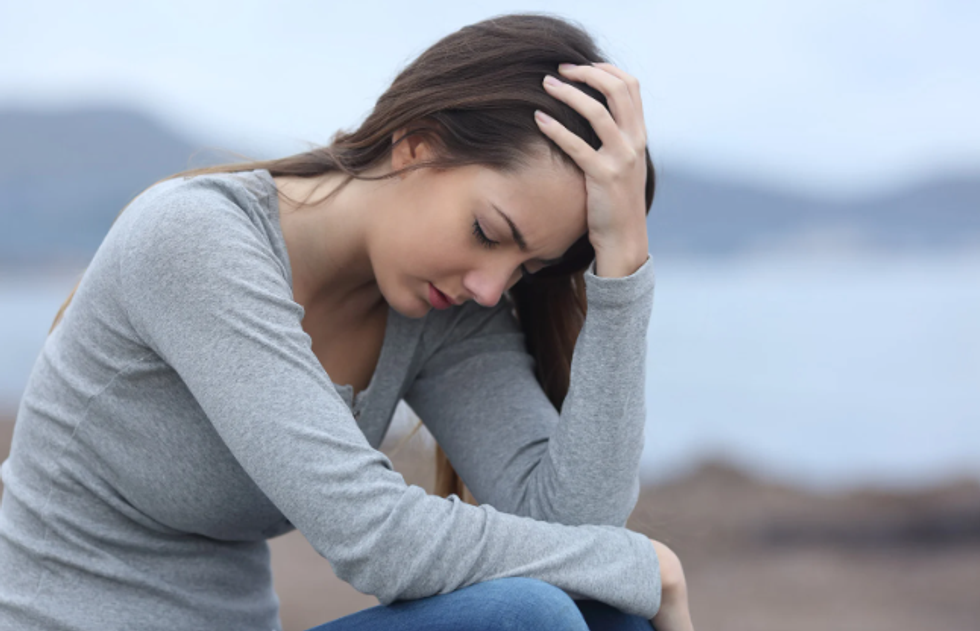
x: 486, y: 285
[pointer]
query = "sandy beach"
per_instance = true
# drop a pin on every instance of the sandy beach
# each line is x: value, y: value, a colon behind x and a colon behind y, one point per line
x: 758, y: 555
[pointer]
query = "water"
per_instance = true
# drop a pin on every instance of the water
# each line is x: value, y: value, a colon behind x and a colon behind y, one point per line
x: 28, y: 305
x: 826, y: 373
x: 822, y: 373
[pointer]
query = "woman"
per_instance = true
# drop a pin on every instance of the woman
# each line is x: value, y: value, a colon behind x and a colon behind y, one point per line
x: 228, y: 365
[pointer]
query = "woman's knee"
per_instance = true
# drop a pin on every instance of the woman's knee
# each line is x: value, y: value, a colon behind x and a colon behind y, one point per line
x: 519, y: 604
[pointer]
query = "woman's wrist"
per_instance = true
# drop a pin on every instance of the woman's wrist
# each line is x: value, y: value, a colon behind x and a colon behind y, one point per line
x: 620, y: 265
x: 616, y: 260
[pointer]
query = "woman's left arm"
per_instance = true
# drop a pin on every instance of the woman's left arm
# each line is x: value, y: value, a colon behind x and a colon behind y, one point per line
x: 478, y: 396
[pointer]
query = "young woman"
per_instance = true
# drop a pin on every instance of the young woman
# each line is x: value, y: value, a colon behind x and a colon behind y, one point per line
x: 229, y: 363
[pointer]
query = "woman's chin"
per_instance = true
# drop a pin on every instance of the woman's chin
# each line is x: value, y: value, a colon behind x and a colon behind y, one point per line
x: 415, y: 314
x: 414, y: 307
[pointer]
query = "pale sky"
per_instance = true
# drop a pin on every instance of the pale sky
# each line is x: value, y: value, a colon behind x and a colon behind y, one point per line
x: 825, y: 96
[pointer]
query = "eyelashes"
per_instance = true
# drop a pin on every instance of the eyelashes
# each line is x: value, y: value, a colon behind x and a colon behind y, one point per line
x: 489, y: 243
x: 482, y: 236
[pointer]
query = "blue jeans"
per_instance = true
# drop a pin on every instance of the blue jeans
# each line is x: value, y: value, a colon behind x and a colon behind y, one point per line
x: 506, y: 604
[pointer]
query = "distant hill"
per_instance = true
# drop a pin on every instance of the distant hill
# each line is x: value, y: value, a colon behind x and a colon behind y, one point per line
x: 703, y: 217
x: 65, y: 176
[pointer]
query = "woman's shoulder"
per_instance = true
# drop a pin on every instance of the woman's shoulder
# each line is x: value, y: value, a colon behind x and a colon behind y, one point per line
x: 201, y: 211
x: 194, y: 197
x: 204, y: 223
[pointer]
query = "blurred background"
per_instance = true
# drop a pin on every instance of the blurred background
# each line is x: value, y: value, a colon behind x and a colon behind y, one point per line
x: 813, y: 380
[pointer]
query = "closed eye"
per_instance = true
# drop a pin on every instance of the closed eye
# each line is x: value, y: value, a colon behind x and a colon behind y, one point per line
x: 489, y: 243
x: 482, y: 237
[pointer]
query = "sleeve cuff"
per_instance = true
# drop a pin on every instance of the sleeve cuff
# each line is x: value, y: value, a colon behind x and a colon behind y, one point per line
x: 650, y: 586
x: 618, y: 291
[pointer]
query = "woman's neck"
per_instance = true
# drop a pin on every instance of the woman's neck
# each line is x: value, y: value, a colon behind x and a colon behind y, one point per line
x: 326, y: 242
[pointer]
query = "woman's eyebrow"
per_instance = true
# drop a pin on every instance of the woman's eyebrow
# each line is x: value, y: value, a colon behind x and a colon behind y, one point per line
x: 519, y: 238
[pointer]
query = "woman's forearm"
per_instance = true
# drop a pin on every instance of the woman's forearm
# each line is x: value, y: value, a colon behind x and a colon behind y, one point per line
x: 590, y: 470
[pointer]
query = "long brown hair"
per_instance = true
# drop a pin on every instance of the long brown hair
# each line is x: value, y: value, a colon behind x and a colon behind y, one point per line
x: 472, y: 96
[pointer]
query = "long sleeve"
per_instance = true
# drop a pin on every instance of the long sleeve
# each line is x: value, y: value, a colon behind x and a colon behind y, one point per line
x: 204, y: 290
x: 478, y: 395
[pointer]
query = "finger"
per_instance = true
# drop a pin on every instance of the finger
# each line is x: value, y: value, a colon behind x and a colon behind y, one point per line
x: 631, y: 82
x: 633, y: 85
x: 593, y: 111
x: 616, y: 91
x: 579, y: 150
x: 633, y: 124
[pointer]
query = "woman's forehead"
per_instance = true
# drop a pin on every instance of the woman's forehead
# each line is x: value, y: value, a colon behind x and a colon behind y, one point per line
x: 546, y: 201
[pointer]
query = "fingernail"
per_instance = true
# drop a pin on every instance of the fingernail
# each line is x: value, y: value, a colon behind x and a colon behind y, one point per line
x: 565, y: 66
x: 541, y: 116
x: 551, y: 81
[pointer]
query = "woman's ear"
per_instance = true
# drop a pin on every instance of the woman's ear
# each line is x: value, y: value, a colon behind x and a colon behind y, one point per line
x: 412, y: 149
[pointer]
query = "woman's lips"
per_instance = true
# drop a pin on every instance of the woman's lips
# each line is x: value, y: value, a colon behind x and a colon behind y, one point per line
x: 438, y: 299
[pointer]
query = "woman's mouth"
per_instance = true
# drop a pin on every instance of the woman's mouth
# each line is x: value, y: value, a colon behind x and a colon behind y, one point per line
x: 438, y: 299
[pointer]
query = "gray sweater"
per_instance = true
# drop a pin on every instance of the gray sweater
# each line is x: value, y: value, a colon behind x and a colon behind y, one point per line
x: 177, y: 418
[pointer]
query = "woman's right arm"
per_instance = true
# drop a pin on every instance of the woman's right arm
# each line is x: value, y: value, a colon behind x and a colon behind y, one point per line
x: 203, y: 288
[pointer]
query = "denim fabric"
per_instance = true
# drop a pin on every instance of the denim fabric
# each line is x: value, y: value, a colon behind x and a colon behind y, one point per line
x: 506, y: 604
